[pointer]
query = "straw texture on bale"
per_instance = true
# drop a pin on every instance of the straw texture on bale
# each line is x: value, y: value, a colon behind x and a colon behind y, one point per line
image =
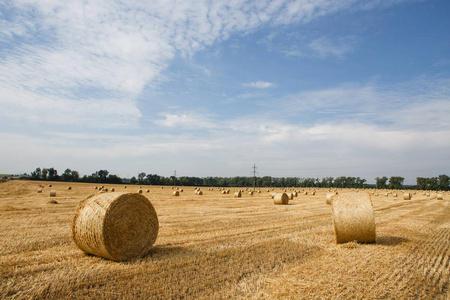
x: 281, y: 199
x: 407, y: 196
x: 353, y: 218
x: 52, y: 193
x: 116, y: 226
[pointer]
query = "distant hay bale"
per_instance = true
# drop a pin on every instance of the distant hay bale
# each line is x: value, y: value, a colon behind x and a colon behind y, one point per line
x: 439, y: 197
x: 116, y: 226
x: 52, y: 193
x: 305, y: 193
x: 139, y: 191
x: 69, y: 188
x: 394, y: 195
x: 199, y: 192
x: 291, y: 196
x: 329, y: 197
x: 147, y: 191
x: 39, y: 190
x: 113, y: 190
x: 181, y: 190
x: 313, y: 193
x: 52, y: 202
x: 162, y: 187
x: 124, y: 186
x: 281, y: 199
x: 95, y: 187
x: 176, y: 193
x: 353, y: 218
x: 238, y: 194
x: 250, y: 193
x: 406, y: 196
x: 49, y: 185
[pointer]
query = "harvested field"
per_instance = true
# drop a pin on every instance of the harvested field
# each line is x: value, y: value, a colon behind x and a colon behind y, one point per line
x: 221, y: 247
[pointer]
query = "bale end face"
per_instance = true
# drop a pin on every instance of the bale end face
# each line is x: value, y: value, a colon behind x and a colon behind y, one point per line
x: 116, y: 226
x: 353, y: 218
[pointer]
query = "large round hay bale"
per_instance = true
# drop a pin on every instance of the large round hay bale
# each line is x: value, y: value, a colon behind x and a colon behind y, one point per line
x: 176, y: 193
x: 439, y: 197
x: 199, y: 192
x: 406, y: 196
x: 52, y: 193
x: 238, y: 194
x: 281, y: 199
x: 116, y: 226
x: 329, y: 197
x: 353, y: 218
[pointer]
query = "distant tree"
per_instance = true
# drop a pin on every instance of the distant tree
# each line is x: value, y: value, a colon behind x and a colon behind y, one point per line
x: 44, y: 174
x: 52, y: 174
x: 36, y: 174
x: 102, y: 175
x: 396, y: 182
x: 444, y: 182
x: 67, y: 175
x: 381, y: 182
x: 133, y: 180
x: 141, y: 177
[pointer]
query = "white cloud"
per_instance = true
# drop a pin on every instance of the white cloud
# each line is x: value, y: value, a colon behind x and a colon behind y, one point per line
x: 259, y: 84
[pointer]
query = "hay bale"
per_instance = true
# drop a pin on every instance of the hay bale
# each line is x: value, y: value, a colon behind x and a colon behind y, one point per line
x: 199, y: 192
x: 406, y: 196
x: 250, y: 193
x: 52, y: 193
x: 69, y: 188
x: 113, y: 190
x: 116, y: 226
x: 353, y: 218
x: 313, y: 193
x: 238, y: 194
x: 147, y: 191
x: 439, y: 197
x: 281, y: 199
x: 139, y: 191
x: 39, y: 190
x: 329, y: 197
x: 52, y: 202
x: 124, y: 186
x: 49, y: 185
x: 176, y: 193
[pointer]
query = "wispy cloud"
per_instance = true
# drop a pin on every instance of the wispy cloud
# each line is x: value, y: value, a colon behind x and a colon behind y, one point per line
x: 259, y: 84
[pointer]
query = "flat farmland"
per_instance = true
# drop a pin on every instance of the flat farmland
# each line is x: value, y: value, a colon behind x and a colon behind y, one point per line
x: 215, y: 246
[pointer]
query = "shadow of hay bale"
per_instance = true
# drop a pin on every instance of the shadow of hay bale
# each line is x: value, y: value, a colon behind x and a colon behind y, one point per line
x: 391, y: 240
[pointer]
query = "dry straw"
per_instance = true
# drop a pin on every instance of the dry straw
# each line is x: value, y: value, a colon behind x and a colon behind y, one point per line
x: 406, y: 196
x: 281, y: 199
x: 176, y: 193
x: 330, y: 196
x: 353, y: 218
x: 116, y: 226
x: 69, y: 188
x: 238, y: 194
x: 52, y: 193
x: 439, y: 197
x: 39, y: 190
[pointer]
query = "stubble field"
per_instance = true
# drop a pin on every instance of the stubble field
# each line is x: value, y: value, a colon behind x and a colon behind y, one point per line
x: 215, y: 246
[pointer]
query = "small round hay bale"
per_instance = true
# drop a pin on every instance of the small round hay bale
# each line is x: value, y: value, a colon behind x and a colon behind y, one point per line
x: 139, y: 191
x: 199, y: 192
x: 313, y: 193
x: 305, y: 193
x: 39, y: 190
x: 69, y: 188
x: 281, y: 199
x: 394, y: 195
x: 329, y: 197
x: 104, y: 189
x: 224, y: 192
x: 181, y: 190
x: 116, y: 226
x: 353, y: 218
x: 52, y: 202
x: 291, y: 196
x: 406, y: 196
x: 52, y: 193
x: 113, y: 190
x: 176, y: 193
x: 162, y: 187
x: 49, y: 185
x: 439, y: 197
x: 140, y: 187
x: 295, y: 194
x: 250, y: 193
x: 238, y: 194
x: 95, y: 188
x: 147, y: 191
x: 228, y: 191
x: 124, y: 186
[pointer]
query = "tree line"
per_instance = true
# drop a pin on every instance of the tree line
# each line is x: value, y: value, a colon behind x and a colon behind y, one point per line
x: 442, y: 182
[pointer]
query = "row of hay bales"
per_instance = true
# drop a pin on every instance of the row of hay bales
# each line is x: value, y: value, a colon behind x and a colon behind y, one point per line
x: 123, y: 226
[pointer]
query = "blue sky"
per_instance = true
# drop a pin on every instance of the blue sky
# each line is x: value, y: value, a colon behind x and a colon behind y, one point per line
x: 209, y: 88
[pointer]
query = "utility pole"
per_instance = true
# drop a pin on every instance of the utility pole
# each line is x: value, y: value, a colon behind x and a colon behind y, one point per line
x: 254, y: 177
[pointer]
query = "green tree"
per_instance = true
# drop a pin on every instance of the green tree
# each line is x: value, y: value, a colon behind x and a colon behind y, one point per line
x: 444, y: 183
x: 381, y: 182
x: 133, y: 180
x: 44, y: 174
x: 396, y: 182
x: 141, y: 177
x: 36, y: 174
x: 52, y: 174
